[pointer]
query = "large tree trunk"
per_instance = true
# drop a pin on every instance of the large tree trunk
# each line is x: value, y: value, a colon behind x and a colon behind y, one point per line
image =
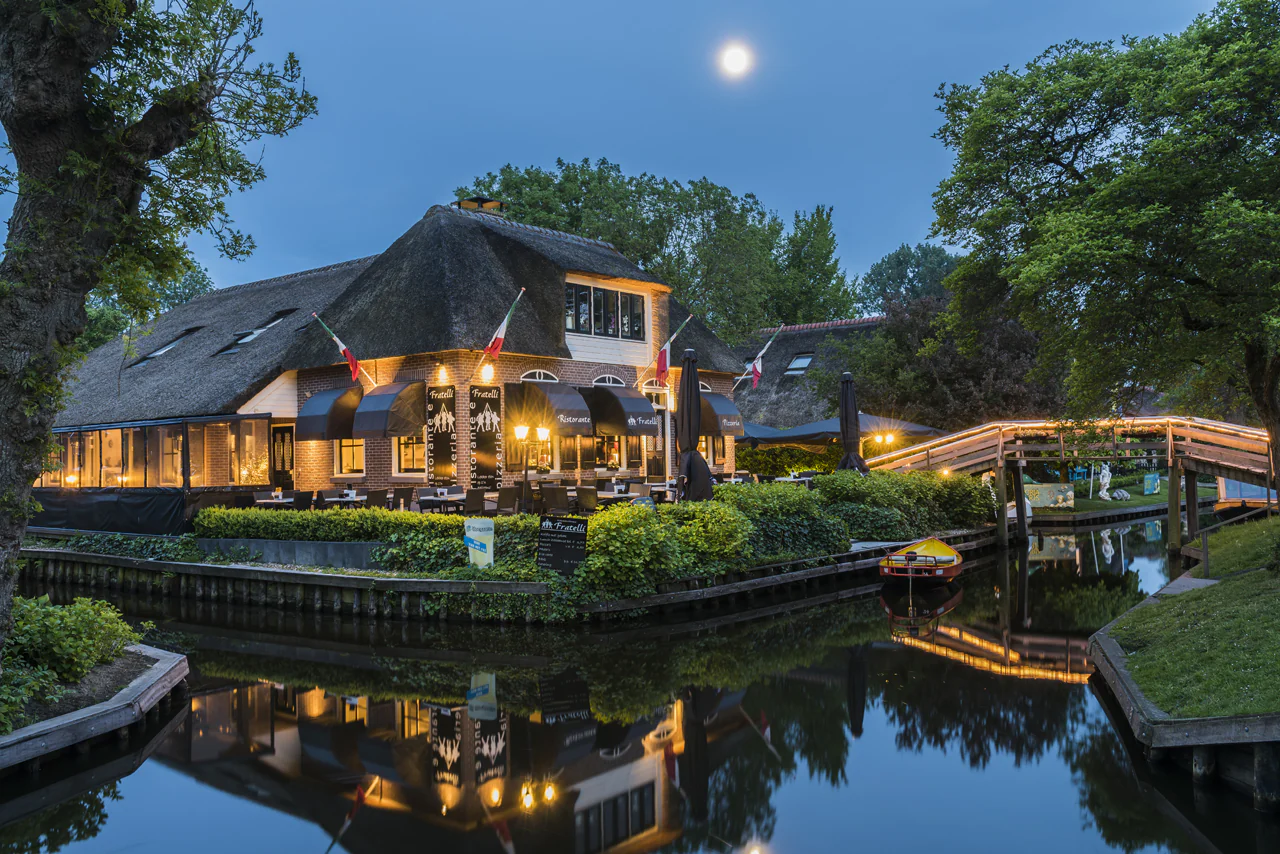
x: 1262, y: 373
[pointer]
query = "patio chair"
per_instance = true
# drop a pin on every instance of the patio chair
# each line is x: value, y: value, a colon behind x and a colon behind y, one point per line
x: 401, y: 496
x: 475, y: 505
x: 242, y: 500
x: 508, y: 496
x: 303, y: 499
x: 555, y: 500
x: 588, y: 500
x: 263, y: 496
x: 644, y: 490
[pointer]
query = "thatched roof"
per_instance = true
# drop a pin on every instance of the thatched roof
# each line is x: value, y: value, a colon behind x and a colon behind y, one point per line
x: 785, y: 401
x: 193, y: 379
x: 445, y: 284
x: 713, y: 354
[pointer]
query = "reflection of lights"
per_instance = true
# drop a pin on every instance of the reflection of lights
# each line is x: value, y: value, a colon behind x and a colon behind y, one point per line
x: 1016, y: 670
x: 444, y: 810
x: 526, y: 796
x: 980, y: 643
x: 495, y: 796
x: 549, y: 793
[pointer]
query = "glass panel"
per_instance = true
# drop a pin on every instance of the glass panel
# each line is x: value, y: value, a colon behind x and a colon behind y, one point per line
x: 350, y: 456
x: 113, y: 458
x: 625, y: 300
x: 584, y: 310
x: 251, y: 454
x: 608, y: 452
x: 411, y: 455
x: 74, y: 460
x: 570, y: 300
x: 91, y: 469
x: 164, y: 455
x: 610, y: 304
x: 633, y: 452
x: 196, y: 436
x: 637, y: 317
x: 597, y: 311
x: 57, y: 461
x: 133, y: 457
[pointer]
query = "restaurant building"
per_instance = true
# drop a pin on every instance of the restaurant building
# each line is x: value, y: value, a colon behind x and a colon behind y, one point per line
x: 242, y: 388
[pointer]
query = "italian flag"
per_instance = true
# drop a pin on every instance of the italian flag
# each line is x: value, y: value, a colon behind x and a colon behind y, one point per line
x: 757, y: 368
x: 495, y: 343
x: 352, y: 362
x: 664, y: 355
x: 355, y: 807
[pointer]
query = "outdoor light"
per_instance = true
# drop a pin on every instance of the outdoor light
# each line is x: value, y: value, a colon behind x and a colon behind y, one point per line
x: 522, y: 431
x: 71, y: 478
x: 879, y: 440
x: 543, y: 434
x: 442, y: 375
x: 486, y: 373
x: 549, y: 793
x: 946, y: 472
x: 889, y: 438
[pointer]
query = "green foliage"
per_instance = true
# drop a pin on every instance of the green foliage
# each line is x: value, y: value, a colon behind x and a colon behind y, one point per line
x: 1247, y: 545
x: 789, y: 522
x: 873, y: 524
x: 1133, y: 181
x: 107, y: 321
x: 779, y: 462
x: 181, y: 549
x: 50, y: 644
x: 727, y: 257
x: 359, y: 525
x: 54, y: 828
x: 629, y: 550
x: 711, y: 537
x: 929, y: 501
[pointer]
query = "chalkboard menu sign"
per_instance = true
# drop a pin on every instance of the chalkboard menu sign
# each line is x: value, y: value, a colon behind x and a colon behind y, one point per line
x: 442, y: 435
x: 562, y: 544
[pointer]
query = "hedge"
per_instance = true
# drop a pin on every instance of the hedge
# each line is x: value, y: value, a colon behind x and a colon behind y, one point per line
x: 930, y: 502
x: 363, y: 525
x: 789, y: 522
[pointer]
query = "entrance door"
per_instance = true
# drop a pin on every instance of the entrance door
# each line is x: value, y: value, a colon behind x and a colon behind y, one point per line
x: 282, y: 456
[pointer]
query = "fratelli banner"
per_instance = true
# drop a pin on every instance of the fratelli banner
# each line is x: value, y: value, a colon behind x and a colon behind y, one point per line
x: 486, y: 437
x: 442, y: 435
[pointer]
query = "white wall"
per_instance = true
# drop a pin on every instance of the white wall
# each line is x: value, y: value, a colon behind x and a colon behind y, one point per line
x: 280, y: 398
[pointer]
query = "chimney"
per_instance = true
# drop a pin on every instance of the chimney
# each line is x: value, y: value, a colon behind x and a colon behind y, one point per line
x: 480, y: 203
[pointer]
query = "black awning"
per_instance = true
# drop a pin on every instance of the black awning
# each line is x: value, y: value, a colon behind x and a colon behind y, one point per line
x: 328, y: 414
x: 720, y: 416
x: 395, y: 409
x: 621, y: 411
x: 555, y: 406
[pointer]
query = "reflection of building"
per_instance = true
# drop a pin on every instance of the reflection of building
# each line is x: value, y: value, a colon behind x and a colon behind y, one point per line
x: 558, y: 779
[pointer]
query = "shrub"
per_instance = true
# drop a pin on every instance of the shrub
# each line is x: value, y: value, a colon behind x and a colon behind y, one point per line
x: 362, y: 525
x: 181, y: 549
x: 777, y: 462
x: 874, y: 523
x: 929, y: 501
x: 68, y: 639
x: 628, y: 551
x: 788, y: 521
x: 710, y: 536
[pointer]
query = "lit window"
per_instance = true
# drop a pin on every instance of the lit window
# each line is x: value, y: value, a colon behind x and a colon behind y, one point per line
x: 604, y: 312
x: 349, y: 456
x: 250, y: 334
x: 539, y: 377
x: 167, y: 347
x: 411, y: 455
x: 799, y: 364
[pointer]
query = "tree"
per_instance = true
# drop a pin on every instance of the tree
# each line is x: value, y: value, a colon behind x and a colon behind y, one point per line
x: 811, y: 287
x: 107, y: 321
x: 1127, y: 195
x: 916, y: 366
x: 725, y: 256
x: 126, y: 125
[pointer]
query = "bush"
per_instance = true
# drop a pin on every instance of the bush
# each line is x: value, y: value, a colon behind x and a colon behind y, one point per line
x: 362, y: 525
x: 778, y: 462
x: 56, y: 643
x: 438, y: 550
x: 179, y: 549
x: 628, y: 551
x: 883, y: 524
x: 710, y: 536
x: 929, y: 501
x: 789, y: 521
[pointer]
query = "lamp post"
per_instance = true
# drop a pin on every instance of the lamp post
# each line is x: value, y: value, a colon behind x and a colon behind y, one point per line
x: 522, y: 436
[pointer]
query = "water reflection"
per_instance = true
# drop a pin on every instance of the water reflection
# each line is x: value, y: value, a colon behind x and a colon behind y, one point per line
x: 673, y: 738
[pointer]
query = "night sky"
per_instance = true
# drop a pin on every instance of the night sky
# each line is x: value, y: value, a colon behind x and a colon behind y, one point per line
x: 416, y: 98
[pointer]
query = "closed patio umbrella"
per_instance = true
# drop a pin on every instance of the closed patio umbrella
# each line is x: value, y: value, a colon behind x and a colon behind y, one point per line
x: 850, y: 434
x: 693, y: 482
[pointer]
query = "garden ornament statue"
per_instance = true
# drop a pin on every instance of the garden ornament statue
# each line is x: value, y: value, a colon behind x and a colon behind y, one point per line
x: 1104, y: 481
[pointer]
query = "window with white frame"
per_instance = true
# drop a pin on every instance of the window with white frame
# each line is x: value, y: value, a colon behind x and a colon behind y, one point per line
x: 539, y: 377
x: 410, y: 455
x: 608, y: 379
x: 348, y: 456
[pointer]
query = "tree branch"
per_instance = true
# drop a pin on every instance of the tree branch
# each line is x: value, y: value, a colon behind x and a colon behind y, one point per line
x: 171, y: 121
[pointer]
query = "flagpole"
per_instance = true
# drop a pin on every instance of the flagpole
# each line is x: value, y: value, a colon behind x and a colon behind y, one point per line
x: 640, y: 375
x: 502, y: 328
x: 758, y: 357
x: 337, y: 340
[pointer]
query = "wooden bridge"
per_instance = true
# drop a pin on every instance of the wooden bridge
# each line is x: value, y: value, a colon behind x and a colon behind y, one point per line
x: 1187, y: 446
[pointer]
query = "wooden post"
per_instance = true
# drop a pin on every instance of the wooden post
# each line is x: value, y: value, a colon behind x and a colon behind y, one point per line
x: 1204, y: 764
x: 1173, y: 537
x: 1266, y: 777
x: 1020, y: 500
x: 1193, y: 504
x: 1063, y: 476
x: 1002, y: 498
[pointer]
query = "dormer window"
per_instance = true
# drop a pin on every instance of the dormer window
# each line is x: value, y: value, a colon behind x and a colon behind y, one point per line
x: 249, y: 334
x: 154, y: 354
x: 604, y: 312
x: 799, y: 364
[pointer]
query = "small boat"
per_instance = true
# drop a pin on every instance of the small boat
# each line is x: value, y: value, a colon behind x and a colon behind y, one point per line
x: 931, y: 558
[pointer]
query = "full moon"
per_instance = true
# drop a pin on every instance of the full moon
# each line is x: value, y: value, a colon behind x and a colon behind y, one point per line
x: 735, y: 60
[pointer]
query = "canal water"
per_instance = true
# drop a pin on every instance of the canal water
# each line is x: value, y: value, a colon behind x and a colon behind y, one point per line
x: 866, y: 718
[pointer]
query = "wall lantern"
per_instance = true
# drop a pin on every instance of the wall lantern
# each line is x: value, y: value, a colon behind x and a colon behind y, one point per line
x: 543, y: 434
x: 522, y: 432
x: 486, y: 373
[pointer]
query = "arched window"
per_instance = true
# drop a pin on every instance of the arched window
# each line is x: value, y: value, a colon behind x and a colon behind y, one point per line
x: 607, y: 379
x: 539, y: 377
x: 704, y: 386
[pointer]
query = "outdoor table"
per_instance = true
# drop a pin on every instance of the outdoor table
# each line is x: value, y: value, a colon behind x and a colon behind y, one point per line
x: 439, y: 502
x: 273, y: 502
x: 614, y: 497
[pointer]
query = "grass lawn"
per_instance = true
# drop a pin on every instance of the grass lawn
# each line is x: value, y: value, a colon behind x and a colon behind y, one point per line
x: 1245, y: 546
x: 1210, y: 652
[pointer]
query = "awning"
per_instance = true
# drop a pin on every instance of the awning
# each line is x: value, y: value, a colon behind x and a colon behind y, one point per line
x: 556, y: 406
x: 621, y: 411
x: 720, y: 417
x: 395, y: 409
x: 328, y: 414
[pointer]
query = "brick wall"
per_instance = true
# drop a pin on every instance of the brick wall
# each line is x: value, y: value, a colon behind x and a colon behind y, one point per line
x: 314, y: 466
